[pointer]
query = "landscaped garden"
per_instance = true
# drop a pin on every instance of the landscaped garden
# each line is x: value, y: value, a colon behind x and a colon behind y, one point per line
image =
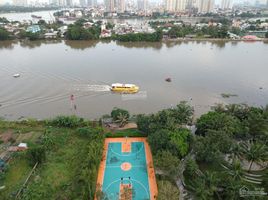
x: 211, y: 157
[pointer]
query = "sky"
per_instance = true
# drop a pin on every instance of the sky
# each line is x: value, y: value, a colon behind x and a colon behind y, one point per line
x: 217, y: 1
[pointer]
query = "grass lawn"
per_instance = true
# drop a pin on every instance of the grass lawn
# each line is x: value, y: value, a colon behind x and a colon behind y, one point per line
x: 17, y: 173
x: 53, y: 179
x: 126, y: 133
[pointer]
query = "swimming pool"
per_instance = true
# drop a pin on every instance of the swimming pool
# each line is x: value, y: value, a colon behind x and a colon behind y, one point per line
x: 126, y: 168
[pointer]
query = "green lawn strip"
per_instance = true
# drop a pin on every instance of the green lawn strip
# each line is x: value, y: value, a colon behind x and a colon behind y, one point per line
x: 18, y: 171
x: 126, y: 133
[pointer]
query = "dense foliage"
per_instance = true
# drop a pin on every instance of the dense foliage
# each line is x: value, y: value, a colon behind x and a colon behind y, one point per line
x: 139, y: 37
x: 4, y: 35
x: 66, y: 121
x: 36, y: 154
x: 230, y: 139
x: 208, y: 31
x: 169, y: 119
x: 117, y: 112
x: 77, y: 31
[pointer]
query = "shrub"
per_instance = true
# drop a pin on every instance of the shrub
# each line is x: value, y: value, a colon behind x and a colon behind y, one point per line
x: 67, y: 121
x: 126, y: 133
x: 36, y: 154
x: 87, y: 132
x: 191, y: 167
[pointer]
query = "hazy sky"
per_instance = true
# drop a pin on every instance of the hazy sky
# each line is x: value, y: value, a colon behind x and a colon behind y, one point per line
x: 217, y: 1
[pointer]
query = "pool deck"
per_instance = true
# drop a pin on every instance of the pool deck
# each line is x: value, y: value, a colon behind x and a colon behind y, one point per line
x: 126, y: 147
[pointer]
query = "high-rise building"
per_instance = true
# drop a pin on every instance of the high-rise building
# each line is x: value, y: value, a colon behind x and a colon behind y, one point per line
x: 206, y: 6
x: 92, y: 3
x: 110, y: 5
x: 170, y: 5
x: 59, y: 2
x: 121, y: 6
x: 83, y: 3
x: 181, y: 5
x: 225, y: 4
x: 175, y: 5
x: 267, y: 4
x: 69, y: 2
x: 20, y: 2
x: 142, y: 5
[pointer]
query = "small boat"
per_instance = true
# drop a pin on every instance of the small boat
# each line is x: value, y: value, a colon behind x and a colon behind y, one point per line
x: 16, y: 75
x: 124, y: 88
x: 168, y: 79
x: 36, y: 17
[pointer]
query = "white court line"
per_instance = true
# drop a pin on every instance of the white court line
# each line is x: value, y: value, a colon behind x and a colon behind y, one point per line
x: 134, y: 166
x: 130, y: 154
x: 131, y: 184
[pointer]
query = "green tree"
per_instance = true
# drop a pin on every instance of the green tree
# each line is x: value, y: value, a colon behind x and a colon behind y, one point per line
x: 143, y: 123
x: 166, y: 190
x: 218, y: 122
x: 212, y: 147
x: 159, y: 140
x: 180, y: 139
x: 183, y: 113
x: 36, y: 154
x: 4, y: 35
x: 191, y: 167
x: 255, y: 152
x: 235, y: 171
x: 266, y: 34
x: 33, y: 36
x: 117, y: 113
x: 167, y: 163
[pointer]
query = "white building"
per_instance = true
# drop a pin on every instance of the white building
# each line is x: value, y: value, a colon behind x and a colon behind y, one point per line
x: 206, y: 6
x: 226, y: 4
x: 142, y: 5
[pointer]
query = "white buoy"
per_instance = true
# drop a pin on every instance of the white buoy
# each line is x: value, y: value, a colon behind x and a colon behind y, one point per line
x: 16, y: 75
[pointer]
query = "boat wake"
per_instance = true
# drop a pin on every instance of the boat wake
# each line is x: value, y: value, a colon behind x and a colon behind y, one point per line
x: 92, y: 88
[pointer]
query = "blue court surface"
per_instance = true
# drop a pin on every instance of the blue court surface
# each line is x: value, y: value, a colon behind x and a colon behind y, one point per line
x: 136, y: 175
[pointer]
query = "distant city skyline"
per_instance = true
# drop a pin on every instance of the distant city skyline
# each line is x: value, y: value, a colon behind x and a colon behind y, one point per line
x: 218, y: 2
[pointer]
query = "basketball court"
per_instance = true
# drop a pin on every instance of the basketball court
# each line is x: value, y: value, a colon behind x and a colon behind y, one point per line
x: 126, y: 170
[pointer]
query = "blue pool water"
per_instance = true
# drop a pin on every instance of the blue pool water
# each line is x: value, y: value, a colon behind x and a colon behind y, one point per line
x: 137, y: 176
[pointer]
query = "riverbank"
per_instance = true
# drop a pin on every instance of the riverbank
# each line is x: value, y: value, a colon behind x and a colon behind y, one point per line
x: 215, y: 40
x: 164, y: 40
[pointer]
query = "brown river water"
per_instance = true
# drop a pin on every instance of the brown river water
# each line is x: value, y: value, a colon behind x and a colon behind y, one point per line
x: 51, y: 71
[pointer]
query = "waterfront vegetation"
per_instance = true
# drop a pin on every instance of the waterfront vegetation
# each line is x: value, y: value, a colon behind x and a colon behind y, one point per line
x: 85, y: 29
x: 228, y: 151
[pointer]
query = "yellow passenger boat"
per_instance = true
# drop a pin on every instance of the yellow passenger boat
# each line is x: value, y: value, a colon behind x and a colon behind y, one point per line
x: 124, y: 88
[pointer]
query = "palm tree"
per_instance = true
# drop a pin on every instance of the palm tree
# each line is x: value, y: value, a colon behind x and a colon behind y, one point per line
x: 231, y: 190
x: 255, y: 153
x: 236, y: 171
x: 199, y: 189
x: 122, y: 119
x: 167, y: 191
x: 205, y: 187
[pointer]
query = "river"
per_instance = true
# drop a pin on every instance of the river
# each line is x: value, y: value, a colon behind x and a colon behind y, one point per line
x: 51, y: 71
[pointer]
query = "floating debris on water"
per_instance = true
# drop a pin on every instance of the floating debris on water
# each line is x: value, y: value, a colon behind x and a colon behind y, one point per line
x: 168, y: 79
x: 16, y: 75
x: 226, y: 95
